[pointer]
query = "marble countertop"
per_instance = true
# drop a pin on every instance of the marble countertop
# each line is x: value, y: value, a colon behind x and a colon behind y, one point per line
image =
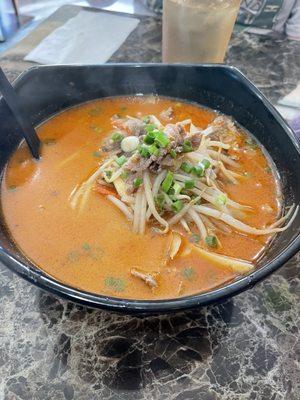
x: 245, y: 348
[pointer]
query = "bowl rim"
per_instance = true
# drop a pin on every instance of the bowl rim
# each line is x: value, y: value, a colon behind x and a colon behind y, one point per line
x: 36, y: 276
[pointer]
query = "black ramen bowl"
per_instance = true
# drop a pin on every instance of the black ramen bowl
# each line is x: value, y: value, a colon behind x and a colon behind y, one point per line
x: 47, y: 90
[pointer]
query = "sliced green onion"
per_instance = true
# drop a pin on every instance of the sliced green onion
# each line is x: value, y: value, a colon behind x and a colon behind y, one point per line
x: 187, y: 146
x: 198, y: 171
x: 124, y: 175
x: 144, y: 152
x: 186, y: 167
x: 211, y: 241
x: 137, y: 182
x: 189, y: 184
x: 117, y: 137
x: 177, y: 188
x: 167, y: 182
x: 173, y: 153
x: 150, y: 128
x: 108, y: 174
x: 221, y: 200
x: 153, y: 150
x: 206, y: 163
x: 177, y: 206
x: 161, y: 139
x: 146, y: 119
x: 149, y: 138
x: 121, y: 160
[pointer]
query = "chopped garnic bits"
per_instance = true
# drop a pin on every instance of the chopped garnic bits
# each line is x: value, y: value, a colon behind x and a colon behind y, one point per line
x: 121, y: 160
x: 189, y: 184
x: 186, y: 167
x: 167, y: 182
x: 117, y: 137
x: 137, y: 182
x: 177, y: 206
x: 211, y: 241
x: 116, y: 284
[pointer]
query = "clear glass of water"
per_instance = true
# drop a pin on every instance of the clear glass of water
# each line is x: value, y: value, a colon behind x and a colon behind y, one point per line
x: 197, y: 31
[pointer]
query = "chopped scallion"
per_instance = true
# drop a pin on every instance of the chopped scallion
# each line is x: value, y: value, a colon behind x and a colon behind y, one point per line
x: 137, y: 182
x: 187, y: 146
x: 205, y: 163
x: 121, y: 160
x: 177, y: 206
x: 211, y: 241
x: 161, y: 139
x: 177, y: 188
x: 108, y: 174
x: 198, y: 171
x: 153, y: 150
x: 117, y: 137
x: 144, y: 152
x: 173, y: 153
x: 189, y: 184
x: 186, y: 167
x: 149, y: 138
x: 167, y: 182
x: 221, y: 200
x: 124, y: 175
x: 150, y: 128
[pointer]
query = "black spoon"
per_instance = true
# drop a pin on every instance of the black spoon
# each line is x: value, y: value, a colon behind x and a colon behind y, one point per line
x: 15, y: 106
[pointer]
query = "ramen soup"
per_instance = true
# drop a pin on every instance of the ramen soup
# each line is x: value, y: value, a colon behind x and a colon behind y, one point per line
x: 143, y: 197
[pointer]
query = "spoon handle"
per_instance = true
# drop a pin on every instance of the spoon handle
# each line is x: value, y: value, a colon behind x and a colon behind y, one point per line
x: 13, y: 103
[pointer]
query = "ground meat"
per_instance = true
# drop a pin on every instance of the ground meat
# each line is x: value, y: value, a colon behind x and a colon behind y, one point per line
x: 135, y: 127
x: 195, y: 140
x: 167, y: 114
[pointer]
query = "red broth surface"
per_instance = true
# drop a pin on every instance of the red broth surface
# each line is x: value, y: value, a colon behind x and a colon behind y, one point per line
x: 94, y: 250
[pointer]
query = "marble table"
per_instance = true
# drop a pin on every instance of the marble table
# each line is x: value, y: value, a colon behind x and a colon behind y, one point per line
x: 245, y: 348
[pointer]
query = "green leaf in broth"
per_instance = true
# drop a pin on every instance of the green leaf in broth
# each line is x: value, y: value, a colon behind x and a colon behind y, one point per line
x: 123, y: 108
x: 86, y: 246
x: 116, y: 284
x: 94, y: 112
x: 97, y: 154
x: 73, y: 256
x: 96, y: 129
x: 268, y: 170
x: 12, y: 188
x: 189, y: 273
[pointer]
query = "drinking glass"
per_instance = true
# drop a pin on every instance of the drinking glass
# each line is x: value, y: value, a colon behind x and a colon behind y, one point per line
x: 197, y: 31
